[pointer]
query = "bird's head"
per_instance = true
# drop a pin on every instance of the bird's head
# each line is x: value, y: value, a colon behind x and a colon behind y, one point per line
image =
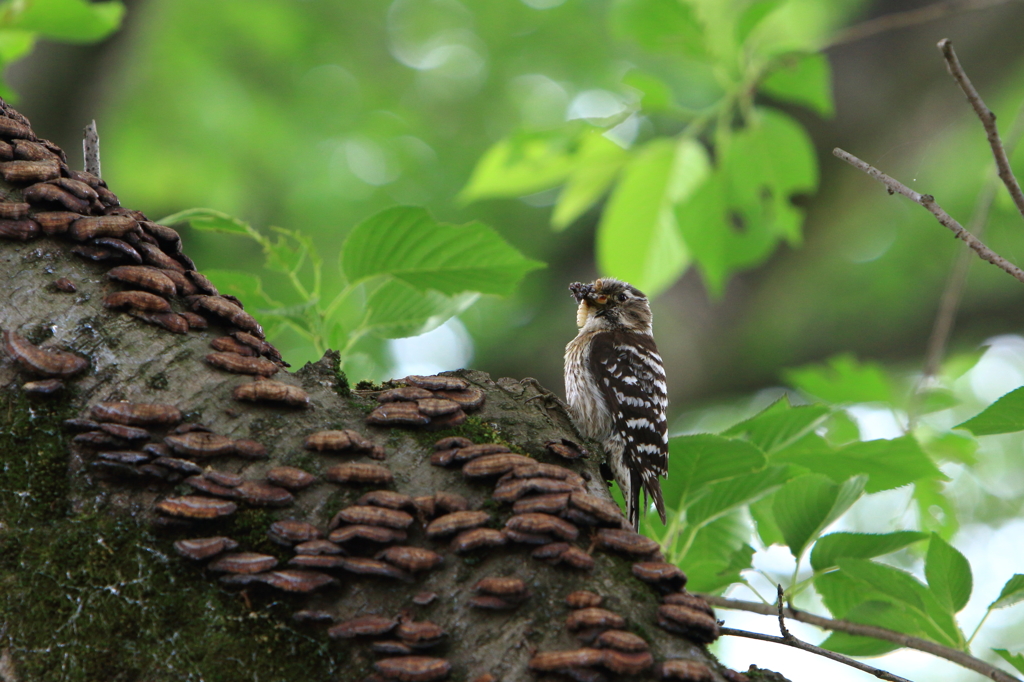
x: 611, y: 304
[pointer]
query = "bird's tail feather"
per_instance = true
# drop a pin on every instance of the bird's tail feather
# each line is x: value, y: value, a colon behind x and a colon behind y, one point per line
x: 651, y: 488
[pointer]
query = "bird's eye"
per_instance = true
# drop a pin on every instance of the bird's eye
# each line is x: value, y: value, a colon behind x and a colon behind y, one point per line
x: 623, y: 297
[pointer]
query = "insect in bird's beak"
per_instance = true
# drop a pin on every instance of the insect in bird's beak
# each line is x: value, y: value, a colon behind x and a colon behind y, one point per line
x: 580, y: 291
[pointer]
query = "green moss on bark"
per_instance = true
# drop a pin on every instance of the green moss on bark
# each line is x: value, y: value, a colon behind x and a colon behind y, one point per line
x: 34, y: 483
x: 99, y: 596
x: 341, y: 386
x: 96, y: 597
x: 474, y: 428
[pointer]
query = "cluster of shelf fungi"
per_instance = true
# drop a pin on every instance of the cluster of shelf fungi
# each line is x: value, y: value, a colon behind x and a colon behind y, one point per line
x: 537, y: 508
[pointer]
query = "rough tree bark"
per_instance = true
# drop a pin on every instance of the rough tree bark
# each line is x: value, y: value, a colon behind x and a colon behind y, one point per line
x: 90, y: 585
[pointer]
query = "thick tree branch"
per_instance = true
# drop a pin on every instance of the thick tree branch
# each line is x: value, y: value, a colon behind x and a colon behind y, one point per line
x: 988, y: 120
x: 959, y: 657
x: 90, y: 525
x: 928, y: 201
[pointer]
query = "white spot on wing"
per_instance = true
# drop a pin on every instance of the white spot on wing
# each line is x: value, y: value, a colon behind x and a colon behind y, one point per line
x: 639, y: 422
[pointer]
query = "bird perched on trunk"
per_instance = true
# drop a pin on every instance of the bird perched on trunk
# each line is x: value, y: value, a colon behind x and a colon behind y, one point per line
x: 615, y: 387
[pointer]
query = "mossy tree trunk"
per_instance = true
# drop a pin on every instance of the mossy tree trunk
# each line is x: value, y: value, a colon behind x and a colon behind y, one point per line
x: 90, y: 589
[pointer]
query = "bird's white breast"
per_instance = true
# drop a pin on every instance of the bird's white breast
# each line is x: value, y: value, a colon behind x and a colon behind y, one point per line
x: 586, y: 403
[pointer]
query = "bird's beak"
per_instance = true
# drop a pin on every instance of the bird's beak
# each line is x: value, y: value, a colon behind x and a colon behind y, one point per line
x: 580, y: 290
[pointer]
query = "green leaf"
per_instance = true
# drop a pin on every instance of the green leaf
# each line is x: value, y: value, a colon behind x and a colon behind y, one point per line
x: 596, y: 166
x: 841, y: 594
x: 726, y: 495
x: 841, y: 429
x: 887, y: 463
x: 752, y: 16
x: 779, y: 424
x: 810, y: 446
x: 1012, y: 592
x: 952, y: 447
x: 935, y: 400
x: 637, y: 239
x: 850, y: 598
x: 286, y: 255
x: 742, y: 210
x: 829, y: 549
x: 897, y: 585
x: 283, y: 257
x: 804, y: 79
x: 1016, y: 660
x: 902, y: 588
x: 854, y: 645
x: 15, y: 44
x: 248, y: 288
x: 210, y: 220
x: 406, y: 243
x: 708, y: 231
x: 843, y: 380
x: 524, y: 163
x: 1005, y: 415
x: 949, y: 574
x: 957, y: 365
x: 397, y: 310
x: 72, y: 21
x: 655, y: 94
x: 764, y: 521
x: 878, y: 613
x: 935, y: 510
x: 698, y: 460
x: 718, y: 554
x: 658, y: 25
x: 767, y: 164
x: 848, y: 595
x: 805, y: 506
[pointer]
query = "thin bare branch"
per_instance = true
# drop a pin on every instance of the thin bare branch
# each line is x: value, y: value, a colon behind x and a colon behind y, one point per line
x: 921, y: 15
x: 988, y: 120
x: 959, y: 657
x: 782, y: 618
x: 800, y: 644
x: 788, y: 639
x: 928, y: 201
x: 957, y: 280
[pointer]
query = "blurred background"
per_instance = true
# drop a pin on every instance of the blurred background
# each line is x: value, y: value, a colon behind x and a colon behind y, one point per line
x: 312, y: 115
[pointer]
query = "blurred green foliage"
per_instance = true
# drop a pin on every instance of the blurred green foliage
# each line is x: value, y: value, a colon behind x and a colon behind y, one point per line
x: 346, y: 110
x: 670, y: 204
x: 23, y: 22
x: 404, y: 275
x: 314, y: 116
